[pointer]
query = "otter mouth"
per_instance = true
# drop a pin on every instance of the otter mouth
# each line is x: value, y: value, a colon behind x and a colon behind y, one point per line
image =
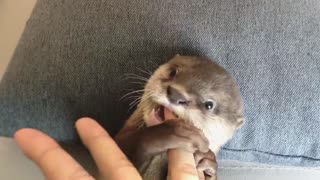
x: 160, y: 114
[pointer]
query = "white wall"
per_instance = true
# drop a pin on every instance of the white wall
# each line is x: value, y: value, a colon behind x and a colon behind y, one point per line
x: 13, y: 17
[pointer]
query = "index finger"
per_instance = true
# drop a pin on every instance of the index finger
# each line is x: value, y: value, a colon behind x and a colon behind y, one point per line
x: 111, y: 161
x: 181, y: 165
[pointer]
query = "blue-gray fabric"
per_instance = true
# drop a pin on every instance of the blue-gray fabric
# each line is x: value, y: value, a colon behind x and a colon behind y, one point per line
x: 73, y: 55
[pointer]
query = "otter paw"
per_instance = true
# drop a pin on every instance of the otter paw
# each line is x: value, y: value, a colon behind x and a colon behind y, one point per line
x: 186, y: 136
x: 206, y: 165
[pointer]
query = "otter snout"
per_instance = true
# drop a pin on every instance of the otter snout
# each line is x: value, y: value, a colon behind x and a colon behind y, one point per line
x: 176, y: 97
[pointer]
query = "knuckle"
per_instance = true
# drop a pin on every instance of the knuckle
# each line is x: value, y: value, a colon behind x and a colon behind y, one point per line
x: 208, y: 164
x: 211, y: 156
x: 194, y: 146
x: 80, y: 174
x: 49, y: 152
x: 197, y: 157
x: 124, y: 166
x: 203, y: 147
x: 97, y: 139
x: 190, y: 147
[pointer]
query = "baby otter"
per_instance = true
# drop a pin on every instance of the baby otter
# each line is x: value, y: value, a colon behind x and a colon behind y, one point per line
x: 199, y: 92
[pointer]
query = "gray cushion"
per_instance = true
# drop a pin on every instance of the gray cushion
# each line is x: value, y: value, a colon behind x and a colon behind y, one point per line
x: 73, y: 54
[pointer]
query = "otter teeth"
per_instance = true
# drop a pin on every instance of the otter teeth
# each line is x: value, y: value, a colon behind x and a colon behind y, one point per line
x: 160, y: 112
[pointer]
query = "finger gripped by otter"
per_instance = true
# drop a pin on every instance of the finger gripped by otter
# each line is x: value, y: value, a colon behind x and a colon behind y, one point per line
x: 100, y: 144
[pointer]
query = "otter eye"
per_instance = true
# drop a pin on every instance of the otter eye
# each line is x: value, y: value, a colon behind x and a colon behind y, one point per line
x: 209, y: 104
x: 173, y: 73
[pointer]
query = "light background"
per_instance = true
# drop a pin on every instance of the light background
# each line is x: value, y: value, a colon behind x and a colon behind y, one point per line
x: 13, y: 17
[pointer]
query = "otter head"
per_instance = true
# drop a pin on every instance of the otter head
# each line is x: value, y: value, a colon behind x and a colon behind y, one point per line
x: 196, y: 90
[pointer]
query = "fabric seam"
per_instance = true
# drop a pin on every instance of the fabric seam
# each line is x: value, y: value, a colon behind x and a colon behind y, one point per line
x: 274, y: 154
x: 269, y: 168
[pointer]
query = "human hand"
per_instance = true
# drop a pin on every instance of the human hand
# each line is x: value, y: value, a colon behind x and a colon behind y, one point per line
x: 57, y: 164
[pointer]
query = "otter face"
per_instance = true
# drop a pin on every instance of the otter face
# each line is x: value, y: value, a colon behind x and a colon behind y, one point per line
x: 196, y: 90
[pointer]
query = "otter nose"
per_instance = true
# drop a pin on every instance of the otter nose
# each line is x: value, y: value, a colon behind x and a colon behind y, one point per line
x: 176, y: 97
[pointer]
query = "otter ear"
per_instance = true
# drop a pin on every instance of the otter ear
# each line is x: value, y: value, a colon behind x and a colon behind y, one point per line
x: 240, y: 122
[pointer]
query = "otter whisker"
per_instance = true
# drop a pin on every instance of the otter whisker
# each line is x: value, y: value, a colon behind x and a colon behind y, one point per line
x: 136, y: 91
x: 135, y: 100
x: 144, y: 71
x: 147, y: 94
x: 140, y: 124
x: 131, y: 97
x: 136, y: 78
x: 134, y: 82
x: 132, y: 75
x: 134, y: 103
x: 154, y: 64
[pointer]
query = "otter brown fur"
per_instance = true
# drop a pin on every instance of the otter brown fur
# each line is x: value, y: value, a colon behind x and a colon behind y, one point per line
x: 207, y: 100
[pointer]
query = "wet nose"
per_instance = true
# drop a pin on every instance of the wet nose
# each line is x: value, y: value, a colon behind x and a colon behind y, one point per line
x: 176, y: 97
